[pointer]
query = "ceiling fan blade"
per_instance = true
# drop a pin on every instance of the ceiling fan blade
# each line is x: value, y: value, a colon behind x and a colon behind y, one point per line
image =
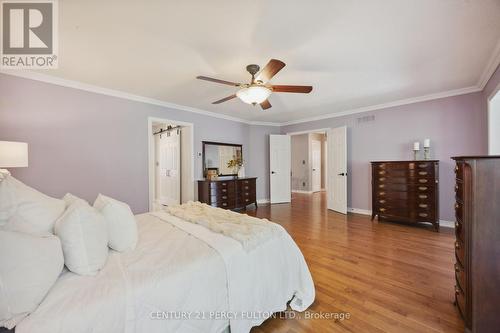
x: 229, y: 83
x: 272, y: 67
x: 292, y: 89
x: 265, y: 105
x: 225, y: 99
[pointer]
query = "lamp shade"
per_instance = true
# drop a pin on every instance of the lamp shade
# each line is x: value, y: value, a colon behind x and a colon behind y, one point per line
x: 13, y: 154
x: 254, y: 94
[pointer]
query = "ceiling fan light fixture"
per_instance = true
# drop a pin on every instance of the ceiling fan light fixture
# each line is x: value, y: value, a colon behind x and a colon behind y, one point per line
x: 254, y: 94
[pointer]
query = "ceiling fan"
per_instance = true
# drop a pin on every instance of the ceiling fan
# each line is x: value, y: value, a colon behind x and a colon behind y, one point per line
x: 258, y: 90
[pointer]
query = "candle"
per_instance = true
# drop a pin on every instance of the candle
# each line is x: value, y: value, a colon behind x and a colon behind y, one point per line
x: 427, y: 143
x: 416, y: 146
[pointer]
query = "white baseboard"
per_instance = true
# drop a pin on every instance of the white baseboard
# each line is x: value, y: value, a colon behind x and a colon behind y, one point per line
x: 263, y: 201
x: 303, y: 192
x: 442, y: 223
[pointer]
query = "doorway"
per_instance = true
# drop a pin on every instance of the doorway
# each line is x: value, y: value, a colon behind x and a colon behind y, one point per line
x: 308, y: 162
x: 171, y: 178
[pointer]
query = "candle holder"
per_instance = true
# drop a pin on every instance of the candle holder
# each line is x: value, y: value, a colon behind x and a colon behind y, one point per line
x: 427, y: 153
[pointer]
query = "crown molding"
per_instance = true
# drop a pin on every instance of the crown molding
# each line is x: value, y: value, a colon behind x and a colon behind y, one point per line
x: 490, y: 68
x: 401, y: 102
x: 120, y: 94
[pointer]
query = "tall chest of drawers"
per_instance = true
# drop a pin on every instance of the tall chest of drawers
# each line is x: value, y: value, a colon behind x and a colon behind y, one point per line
x: 228, y: 193
x: 477, y: 244
x: 406, y: 191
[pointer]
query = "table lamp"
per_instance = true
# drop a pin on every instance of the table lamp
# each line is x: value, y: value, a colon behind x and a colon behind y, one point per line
x: 12, y: 155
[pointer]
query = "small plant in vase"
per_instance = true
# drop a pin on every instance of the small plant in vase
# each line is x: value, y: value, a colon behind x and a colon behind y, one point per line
x: 236, y: 163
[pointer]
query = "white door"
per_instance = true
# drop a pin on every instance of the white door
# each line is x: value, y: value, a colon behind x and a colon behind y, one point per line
x: 316, y: 165
x: 337, y: 165
x: 169, y: 191
x: 280, y: 168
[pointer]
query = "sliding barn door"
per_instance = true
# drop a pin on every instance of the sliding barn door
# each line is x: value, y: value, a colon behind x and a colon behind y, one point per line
x: 280, y: 168
x: 169, y: 192
x: 337, y: 169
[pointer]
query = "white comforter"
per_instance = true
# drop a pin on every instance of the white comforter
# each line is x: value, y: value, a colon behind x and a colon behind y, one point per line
x: 174, y: 272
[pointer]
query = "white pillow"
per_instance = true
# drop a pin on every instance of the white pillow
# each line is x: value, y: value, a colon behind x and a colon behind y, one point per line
x: 29, y: 267
x: 70, y: 198
x: 122, y: 226
x: 84, y: 238
x: 24, y: 209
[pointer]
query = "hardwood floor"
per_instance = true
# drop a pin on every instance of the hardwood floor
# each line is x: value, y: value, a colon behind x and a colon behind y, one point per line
x: 388, y: 277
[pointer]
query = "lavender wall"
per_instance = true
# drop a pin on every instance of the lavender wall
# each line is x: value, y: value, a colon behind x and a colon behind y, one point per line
x: 455, y: 125
x: 86, y: 143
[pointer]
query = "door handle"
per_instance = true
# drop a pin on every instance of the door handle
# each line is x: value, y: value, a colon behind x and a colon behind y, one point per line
x: 272, y: 172
x: 314, y: 169
x: 343, y: 174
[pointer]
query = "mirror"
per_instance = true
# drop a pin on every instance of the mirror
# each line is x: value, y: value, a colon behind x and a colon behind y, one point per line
x: 221, y: 158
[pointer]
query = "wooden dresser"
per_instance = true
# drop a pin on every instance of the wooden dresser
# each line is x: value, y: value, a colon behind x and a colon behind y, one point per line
x: 406, y: 191
x: 477, y: 245
x: 228, y: 193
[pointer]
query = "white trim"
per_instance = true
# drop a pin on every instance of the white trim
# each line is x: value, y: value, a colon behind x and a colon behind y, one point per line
x: 320, y: 130
x: 490, y: 68
x: 120, y: 94
x: 359, y: 211
x: 488, y: 114
x: 263, y: 201
x: 302, y: 192
x: 447, y: 224
x: 151, y: 162
x: 442, y: 223
x: 401, y: 102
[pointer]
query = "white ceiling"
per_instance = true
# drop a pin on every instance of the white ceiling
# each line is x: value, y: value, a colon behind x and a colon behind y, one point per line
x: 355, y: 53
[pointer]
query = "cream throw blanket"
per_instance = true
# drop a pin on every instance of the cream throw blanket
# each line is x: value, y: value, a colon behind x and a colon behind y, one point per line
x: 248, y: 230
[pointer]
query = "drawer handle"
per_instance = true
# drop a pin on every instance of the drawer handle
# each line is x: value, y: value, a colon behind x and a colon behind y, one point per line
x: 381, y: 193
x: 422, y: 205
x: 246, y: 187
x: 246, y: 181
x: 423, y: 181
x: 456, y: 168
x: 224, y: 204
x: 381, y: 172
x: 224, y: 190
x: 381, y: 179
x: 456, y: 188
x: 423, y: 165
x: 382, y: 201
x: 246, y: 200
x: 423, y: 196
x: 381, y: 186
x: 224, y: 197
x: 457, y: 225
x: 422, y: 173
x: 246, y: 193
x: 224, y: 184
x: 382, y: 209
x: 457, y: 269
x: 457, y: 291
x: 457, y: 245
x: 457, y: 206
x: 423, y: 214
x: 381, y: 166
x: 422, y: 188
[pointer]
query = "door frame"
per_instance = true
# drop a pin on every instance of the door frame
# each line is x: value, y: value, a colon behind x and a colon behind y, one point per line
x: 311, y: 172
x: 151, y: 155
x: 319, y: 130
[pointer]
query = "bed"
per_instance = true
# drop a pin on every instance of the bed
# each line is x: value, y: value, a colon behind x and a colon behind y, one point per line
x: 181, y: 277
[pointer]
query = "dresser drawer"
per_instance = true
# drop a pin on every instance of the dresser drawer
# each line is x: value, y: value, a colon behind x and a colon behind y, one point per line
x: 425, y: 215
x: 405, y: 173
x: 460, y: 251
x: 459, y: 211
x: 459, y: 230
x: 459, y: 170
x: 460, y: 276
x: 416, y: 188
x: 229, y: 204
x: 460, y: 300
x: 222, y: 184
x: 459, y: 190
x: 246, y: 200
